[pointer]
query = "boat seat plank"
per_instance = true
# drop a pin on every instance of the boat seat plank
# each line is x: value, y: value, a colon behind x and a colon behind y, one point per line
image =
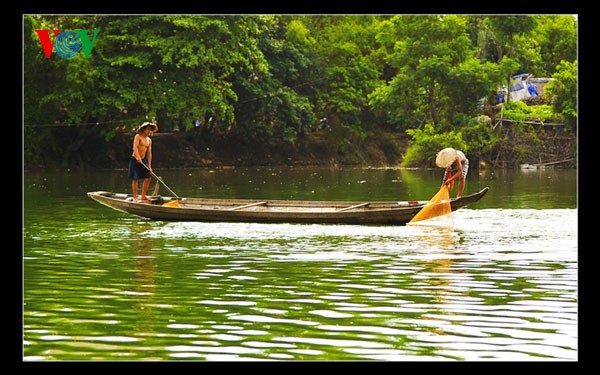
x: 353, y: 207
x: 248, y: 205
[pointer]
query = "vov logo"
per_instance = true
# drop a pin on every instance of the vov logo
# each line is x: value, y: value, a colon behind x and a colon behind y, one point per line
x: 67, y: 43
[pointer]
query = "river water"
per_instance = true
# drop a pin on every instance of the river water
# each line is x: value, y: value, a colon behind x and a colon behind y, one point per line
x: 500, y: 285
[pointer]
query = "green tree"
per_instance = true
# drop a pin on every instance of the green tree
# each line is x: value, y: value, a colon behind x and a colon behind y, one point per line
x: 181, y: 67
x: 437, y: 74
x: 506, y: 29
x: 58, y: 93
x: 563, y: 90
x: 269, y: 78
x: 173, y: 67
x: 274, y: 104
x: 351, y: 69
x: 557, y: 39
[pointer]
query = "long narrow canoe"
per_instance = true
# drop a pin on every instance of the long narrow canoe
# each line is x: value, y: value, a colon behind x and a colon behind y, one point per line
x: 273, y: 211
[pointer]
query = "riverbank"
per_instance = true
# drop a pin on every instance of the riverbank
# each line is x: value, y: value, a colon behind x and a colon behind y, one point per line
x: 192, y: 149
x: 381, y: 149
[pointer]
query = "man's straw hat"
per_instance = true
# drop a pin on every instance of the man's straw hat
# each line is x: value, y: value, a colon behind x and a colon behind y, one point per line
x: 446, y: 157
x: 145, y: 124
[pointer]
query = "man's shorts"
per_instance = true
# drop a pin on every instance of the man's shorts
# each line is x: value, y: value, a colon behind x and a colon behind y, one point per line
x: 138, y: 171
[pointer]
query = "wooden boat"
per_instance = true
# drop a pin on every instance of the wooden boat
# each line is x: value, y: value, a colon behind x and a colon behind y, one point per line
x: 273, y: 211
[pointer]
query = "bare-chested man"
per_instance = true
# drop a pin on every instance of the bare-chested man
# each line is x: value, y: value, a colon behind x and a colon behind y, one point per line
x: 142, y: 153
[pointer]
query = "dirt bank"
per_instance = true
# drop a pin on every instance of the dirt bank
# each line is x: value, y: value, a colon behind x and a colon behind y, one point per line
x: 191, y: 150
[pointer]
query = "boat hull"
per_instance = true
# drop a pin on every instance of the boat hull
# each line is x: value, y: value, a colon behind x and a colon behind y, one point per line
x: 273, y: 211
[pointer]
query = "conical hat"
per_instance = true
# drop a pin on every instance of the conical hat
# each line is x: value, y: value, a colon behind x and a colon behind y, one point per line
x: 145, y: 124
x: 446, y: 157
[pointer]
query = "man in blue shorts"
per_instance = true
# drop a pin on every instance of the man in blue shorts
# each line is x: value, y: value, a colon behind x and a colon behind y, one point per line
x: 142, y: 153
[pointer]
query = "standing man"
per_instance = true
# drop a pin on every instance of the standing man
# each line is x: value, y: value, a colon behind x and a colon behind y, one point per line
x: 142, y: 153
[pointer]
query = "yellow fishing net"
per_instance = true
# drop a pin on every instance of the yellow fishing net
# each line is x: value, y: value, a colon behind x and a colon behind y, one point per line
x: 171, y: 204
x: 437, y: 211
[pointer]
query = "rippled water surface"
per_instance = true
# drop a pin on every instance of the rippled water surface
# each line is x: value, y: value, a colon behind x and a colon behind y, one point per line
x: 102, y: 285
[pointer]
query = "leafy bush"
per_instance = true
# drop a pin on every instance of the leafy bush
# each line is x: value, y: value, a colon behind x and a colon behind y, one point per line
x: 519, y: 111
x: 426, y: 144
x: 563, y: 90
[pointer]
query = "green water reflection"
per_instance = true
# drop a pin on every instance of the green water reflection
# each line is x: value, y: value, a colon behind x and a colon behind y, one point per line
x: 103, y: 285
x: 544, y: 188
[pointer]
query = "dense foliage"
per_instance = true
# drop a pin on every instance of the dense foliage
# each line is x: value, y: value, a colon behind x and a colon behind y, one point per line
x: 271, y: 78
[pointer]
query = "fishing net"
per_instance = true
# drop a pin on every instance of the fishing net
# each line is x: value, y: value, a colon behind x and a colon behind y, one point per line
x: 171, y: 204
x: 437, y: 212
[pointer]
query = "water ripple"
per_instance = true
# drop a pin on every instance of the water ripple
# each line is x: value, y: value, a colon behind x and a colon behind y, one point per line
x: 501, y: 285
